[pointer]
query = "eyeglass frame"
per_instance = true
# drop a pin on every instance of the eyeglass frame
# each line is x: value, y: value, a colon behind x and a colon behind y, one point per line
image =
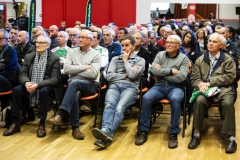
x: 41, y: 43
x: 171, y: 43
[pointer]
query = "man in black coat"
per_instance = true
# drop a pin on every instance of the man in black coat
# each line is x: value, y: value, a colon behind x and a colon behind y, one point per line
x: 23, y: 21
x: 23, y: 47
x: 39, y: 74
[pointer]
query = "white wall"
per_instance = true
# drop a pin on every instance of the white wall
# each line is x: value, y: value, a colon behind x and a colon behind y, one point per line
x: 11, y: 11
x: 227, y: 8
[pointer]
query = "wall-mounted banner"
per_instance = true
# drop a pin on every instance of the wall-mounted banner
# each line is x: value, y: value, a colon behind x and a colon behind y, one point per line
x: 88, y: 19
x: 32, y: 17
x: 191, y: 11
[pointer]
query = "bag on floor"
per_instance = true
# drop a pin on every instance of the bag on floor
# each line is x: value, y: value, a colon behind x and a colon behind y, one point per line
x: 5, y: 117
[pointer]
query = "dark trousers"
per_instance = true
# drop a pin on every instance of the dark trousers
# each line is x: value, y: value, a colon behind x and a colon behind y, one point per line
x: 20, y: 92
x: 228, y: 111
x: 5, y: 85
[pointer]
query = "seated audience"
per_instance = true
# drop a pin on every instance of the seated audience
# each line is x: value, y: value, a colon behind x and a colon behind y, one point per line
x: 123, y: 76
x: 170, y: 68
x: 114, y: 49
x: 39, y: 74
x: 214, y: 69
x: 23, y: 47
x: 83, y: 66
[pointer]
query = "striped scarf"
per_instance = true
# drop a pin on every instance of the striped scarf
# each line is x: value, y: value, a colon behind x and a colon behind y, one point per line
x: 39, y: 67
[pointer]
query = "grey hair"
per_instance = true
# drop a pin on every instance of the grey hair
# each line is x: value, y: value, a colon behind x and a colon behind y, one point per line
x: 222, y: 39
x: 139, y: 32
x: 25, y: 33
x: 110, y: 30
x: 176, y: 37
x: 46, y: 37
x: 89, y: 33
x: 75, y: 29
x: 5, y: 33
x: 154, y: 33
x: 65, y: 34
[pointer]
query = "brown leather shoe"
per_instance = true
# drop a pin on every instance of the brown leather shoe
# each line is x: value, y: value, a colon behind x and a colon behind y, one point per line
x: 14, y: 128
x: 57, y: 120
x: 41, y: 132
x: 77, y: 134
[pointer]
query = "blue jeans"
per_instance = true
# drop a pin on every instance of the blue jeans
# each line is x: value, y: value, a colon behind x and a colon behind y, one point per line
x: 156, y: 93
x: 119, y: 96
x: 76, y: 88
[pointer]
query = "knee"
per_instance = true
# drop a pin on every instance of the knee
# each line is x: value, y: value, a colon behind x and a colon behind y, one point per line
x: 200, y: 99
x: 17, y: 89
x: 176, y: 98
x: 119, y: 109
x: 44, y: 91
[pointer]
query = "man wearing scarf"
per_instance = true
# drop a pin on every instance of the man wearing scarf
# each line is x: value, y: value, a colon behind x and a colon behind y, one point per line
x: 40, y: 72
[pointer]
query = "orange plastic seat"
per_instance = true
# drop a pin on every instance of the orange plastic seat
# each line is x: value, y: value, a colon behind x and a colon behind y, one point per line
x: 87, y: 98
x: 5, y: 93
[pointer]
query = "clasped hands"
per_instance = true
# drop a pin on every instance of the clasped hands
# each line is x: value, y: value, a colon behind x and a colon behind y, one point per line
x: 203, y: 87
x: 31, y: 86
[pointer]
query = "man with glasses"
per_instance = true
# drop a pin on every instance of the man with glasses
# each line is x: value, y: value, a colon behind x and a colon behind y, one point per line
x: 114, y: 49
x: 74, y: 34
x: 83, y: 66
x: 167, y: 32
x: 214, y: 69
x: 39, y: 74
x: 53, y: 31
x: 23, y: 46
x: 170, y: 68
x: 8, y: 66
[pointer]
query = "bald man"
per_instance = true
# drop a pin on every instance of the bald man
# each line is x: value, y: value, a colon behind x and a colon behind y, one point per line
x: 23, y: 46
x: 53, y: 31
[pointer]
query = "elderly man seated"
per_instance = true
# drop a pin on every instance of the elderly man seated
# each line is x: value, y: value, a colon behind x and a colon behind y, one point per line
x: 170, y: 68
x: 215, y: 69
x: 40, y: 72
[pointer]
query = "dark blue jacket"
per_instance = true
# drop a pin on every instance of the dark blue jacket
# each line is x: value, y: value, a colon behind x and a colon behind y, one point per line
x: 8, y: 63
x: 114, y: 49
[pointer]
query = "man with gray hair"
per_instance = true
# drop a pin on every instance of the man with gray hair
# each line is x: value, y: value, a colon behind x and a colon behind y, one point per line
x: 23, y: 47
x: 83, y: 66
x: 170, y: 68
x: 214, y: 69
x: 73, y: 35
x: 114, y: 49
x: 39, y: 74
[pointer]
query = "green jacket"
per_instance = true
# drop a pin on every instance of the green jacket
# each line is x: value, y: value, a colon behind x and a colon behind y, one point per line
x: 223, y: 74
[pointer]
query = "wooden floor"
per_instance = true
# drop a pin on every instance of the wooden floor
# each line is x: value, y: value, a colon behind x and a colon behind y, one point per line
x: 60, y: 144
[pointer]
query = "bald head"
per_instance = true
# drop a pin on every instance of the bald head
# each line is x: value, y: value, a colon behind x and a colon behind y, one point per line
x: 22, y: 38
x: 53, y: 31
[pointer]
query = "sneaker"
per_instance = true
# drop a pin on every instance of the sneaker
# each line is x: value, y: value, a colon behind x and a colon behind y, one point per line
x: 86, y: 106
x: 104, y: 134
x: 100, y: 143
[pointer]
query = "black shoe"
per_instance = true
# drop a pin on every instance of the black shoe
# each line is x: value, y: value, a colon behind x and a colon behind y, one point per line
x: 142, y: 138
x: 194, y: 142
x: 232, y: 147
x: 173, y: 141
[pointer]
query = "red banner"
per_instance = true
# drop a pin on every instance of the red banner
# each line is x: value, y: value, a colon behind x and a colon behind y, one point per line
x: 191, y: 11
